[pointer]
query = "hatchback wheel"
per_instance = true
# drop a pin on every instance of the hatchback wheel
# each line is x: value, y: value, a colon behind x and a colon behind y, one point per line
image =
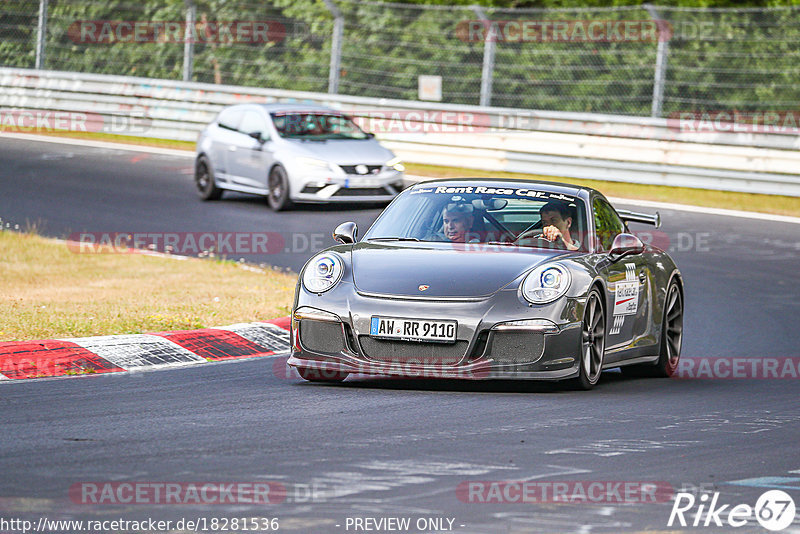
x: 204, y: 180
x: 278, y: 185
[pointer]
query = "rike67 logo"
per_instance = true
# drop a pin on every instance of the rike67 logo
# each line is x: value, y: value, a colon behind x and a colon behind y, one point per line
x: 774, y: 510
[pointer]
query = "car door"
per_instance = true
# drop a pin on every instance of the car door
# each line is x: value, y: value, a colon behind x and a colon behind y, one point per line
x: 223, y: 136
x: 251, y: 157
x: 627, y: 280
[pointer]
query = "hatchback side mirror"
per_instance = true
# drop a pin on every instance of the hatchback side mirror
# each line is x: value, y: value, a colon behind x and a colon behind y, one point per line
x: 258, y: 136
x: 625, y: 244
x: 346, y: 233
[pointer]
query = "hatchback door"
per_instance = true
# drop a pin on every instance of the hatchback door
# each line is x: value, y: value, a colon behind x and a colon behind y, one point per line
x: 250, y: 158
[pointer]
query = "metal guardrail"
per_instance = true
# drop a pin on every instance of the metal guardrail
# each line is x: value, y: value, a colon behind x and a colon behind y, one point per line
x: 604, y: 147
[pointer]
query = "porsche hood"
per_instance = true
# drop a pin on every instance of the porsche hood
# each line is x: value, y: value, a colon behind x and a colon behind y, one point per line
x: 442, y: 270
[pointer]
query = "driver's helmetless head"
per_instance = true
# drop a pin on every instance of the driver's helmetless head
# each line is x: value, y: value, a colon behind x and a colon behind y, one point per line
x: 457, y: 220
x: 556, y: 214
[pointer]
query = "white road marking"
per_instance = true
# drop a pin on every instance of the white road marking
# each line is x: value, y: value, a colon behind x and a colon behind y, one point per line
x: 681, y: 207
x: 618, y: 447
x: 99, y: 144
x: 706, y: 210
x: 614, y: 200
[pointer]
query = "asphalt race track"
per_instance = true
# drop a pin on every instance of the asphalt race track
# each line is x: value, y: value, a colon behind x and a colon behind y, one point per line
x: 387, y: 448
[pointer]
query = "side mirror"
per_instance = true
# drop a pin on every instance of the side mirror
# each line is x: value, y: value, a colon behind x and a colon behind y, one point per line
x: 346, y: 233
x: 625, y: 244
x: 258, y: 137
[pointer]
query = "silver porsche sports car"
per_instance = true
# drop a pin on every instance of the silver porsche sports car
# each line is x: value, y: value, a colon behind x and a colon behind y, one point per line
x: 488, y: 278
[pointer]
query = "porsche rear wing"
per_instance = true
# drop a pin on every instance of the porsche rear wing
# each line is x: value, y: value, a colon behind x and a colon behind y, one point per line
x: 646, y: 218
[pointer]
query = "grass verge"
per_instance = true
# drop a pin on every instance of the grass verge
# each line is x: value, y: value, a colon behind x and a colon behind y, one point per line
x: 775, y: 204
x: 50, y: 292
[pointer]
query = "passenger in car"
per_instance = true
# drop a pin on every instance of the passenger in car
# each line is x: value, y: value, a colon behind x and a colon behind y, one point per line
x: 457, y: 224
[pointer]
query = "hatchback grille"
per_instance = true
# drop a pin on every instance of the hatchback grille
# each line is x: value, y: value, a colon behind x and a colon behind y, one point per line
x: 361, y: 192
x: 390, y: 351
x: 351, y: 169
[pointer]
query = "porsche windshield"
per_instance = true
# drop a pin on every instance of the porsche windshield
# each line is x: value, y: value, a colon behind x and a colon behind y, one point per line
x: 316, y: 126
x: 480, y: 214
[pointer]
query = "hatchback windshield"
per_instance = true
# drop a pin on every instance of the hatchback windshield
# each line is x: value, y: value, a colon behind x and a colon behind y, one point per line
x: 506, y: 215
x: 316, y: 126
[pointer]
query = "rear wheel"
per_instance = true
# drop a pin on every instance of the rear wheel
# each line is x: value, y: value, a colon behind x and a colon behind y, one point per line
x: 671, y: 339
x: 204, y: 180
x: 321, y: 375
x: 593, y: 341
x: 278, y: 185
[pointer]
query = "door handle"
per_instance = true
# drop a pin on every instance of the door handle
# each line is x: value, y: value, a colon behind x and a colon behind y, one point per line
x: 232, y: 148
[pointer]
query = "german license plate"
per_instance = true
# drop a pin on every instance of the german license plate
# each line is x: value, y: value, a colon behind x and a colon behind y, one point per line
x: 413, y: 329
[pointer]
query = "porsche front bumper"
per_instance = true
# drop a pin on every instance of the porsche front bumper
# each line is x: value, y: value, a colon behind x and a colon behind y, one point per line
x: 491, y: 343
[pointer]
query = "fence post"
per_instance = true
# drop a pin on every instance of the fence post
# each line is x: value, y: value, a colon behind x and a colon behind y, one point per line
x: 41, y: 34
x: 487, y: 73
x: 188, y: 41
x: 662, y: 53
x: 336, y: 47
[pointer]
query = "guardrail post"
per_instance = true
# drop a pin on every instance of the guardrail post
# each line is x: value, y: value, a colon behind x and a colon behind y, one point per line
x: 487, y: 73
x: 188, y: 41
x: 662, y: 53
x: 41, y: 34
x: 336, y: 47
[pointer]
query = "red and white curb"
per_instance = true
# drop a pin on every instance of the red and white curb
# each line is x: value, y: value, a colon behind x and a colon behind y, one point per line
x: 135, y: 352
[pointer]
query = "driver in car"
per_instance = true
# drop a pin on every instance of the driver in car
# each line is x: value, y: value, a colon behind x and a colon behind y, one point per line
x: 556, y: 226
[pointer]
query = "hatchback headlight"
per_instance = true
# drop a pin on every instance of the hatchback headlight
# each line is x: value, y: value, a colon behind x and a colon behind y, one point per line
x: 395, y: 164
x: 312, y: 162
x: 546, y: 283
x: 323, y: 272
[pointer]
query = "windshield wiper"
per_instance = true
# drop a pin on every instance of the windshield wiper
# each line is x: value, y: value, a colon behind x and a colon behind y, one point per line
x: 392, y: 239
x: 509, y: 244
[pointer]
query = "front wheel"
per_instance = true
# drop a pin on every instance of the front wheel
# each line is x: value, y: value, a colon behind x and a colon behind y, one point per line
x: 321, y: 375
x: 278, y: 185
x: 593, y: 342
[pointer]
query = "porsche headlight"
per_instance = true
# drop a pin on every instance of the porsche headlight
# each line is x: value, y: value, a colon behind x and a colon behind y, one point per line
x: 395, y: 164
x: 323, y: 272
x: 546, y: 283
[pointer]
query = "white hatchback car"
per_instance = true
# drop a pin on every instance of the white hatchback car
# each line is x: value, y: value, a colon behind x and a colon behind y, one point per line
x: 293, y: 153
